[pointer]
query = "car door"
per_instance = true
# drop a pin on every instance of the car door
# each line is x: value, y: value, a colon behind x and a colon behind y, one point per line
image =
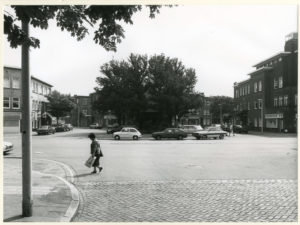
x: 124, y: 133
x: 168, y: 133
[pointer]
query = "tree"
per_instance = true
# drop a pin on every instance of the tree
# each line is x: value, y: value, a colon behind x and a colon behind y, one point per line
x: 76, y: 19
x: 133, y: 87
x: 224, y: 103
x: 60, y: 105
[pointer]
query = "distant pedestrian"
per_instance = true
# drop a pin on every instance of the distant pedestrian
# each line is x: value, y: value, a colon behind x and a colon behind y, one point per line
x: 95, y: 151
x: 231, y: 130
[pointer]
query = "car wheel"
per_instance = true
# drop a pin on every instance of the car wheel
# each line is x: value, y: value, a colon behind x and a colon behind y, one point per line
x: 158, y: 137
x: 180, y: 137
x: 117, y: 137
x: 135, y: 137
x: 221, y: 136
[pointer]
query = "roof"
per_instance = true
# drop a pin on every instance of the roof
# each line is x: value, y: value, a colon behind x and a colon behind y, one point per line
x: 260, y: 70
x: 19, y: 68
x: 271, y: 58
x: 241, y: 82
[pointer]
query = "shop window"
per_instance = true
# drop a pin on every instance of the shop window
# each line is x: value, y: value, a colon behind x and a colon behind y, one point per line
x: 6, y: 81
x: 16, y: 82
x: 255, y: 122
x: 248, y: 105
x: 285, y: 100
x: 6, y: 103
x: 280, y: 82
x: 16, y: 103
x: 275, y: 102
x: 271, y: 123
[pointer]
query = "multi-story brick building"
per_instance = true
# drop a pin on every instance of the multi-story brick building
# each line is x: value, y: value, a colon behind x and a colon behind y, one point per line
x: 268, y: 99
x: 12, y: 99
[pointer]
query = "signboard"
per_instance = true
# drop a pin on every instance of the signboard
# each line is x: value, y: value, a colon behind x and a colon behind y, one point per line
x: 274, y: 116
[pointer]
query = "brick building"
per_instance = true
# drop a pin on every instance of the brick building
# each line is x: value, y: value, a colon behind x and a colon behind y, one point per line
x: 12, y: 99
x: 268, y: 97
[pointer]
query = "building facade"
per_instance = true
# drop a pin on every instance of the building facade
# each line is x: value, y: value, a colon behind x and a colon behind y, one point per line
x: 268, y: 99
x: 12, y: 99
x: 81, y: 115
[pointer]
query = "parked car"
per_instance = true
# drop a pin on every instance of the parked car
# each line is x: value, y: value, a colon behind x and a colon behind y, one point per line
x: 170, y: 133
x: 94, y: 126
x: 111, y: 130
x: 7, y: 147
x: 210, y: 132
x: 46, y: 129
x: 189, y: 129
x: 240, y: 129
x: 61, y: 128
x: 127, y: 133
x: 69, y: 126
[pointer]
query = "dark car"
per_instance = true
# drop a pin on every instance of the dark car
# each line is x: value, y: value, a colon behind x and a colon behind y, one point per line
x: 61, y: 128
x: 69, y: 126
x: 240, y: 129
x: 170, y: 133
x: 45, y: 130
x: 111, y: 130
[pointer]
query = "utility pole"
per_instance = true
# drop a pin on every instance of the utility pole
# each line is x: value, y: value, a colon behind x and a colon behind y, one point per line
x: 26, y: 128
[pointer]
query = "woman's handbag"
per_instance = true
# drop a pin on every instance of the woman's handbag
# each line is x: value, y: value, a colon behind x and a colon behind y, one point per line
x: 101, y: 154
x: 90, y: 161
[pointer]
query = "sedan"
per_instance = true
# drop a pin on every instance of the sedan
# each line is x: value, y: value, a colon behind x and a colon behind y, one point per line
x: 210, y: 132
x: 127, y: 133
x: 240, y: 129
x: 69, y: 126
x: 45, y: 130
x: 7, y: 147
x: 170, y: 133
x: 61, y: 128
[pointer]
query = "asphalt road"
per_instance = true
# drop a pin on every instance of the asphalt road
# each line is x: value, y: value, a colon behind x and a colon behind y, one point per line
x: 242, y: 178
x: 238, y: 157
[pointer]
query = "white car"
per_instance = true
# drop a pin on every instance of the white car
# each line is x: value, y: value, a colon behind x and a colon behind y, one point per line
x: 189, y: 129
x: 127, y: 133
x: 210, y: 132
x: 7, y: 147
x: 94, y: 125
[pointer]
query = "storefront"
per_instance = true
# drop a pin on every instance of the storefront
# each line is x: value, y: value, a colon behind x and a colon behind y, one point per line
x: 274, y: 121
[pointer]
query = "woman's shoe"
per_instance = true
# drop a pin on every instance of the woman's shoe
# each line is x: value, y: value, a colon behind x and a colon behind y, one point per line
x: 94, y: 171
x: 100, y: 168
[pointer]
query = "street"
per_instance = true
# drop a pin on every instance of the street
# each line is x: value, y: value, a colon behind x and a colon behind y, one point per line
x: 241, y: 178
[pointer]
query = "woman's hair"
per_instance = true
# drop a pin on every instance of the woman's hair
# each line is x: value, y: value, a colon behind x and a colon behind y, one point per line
x: 92, y: 136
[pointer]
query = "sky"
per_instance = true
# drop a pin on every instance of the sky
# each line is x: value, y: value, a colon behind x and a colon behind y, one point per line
x: 221, y: 42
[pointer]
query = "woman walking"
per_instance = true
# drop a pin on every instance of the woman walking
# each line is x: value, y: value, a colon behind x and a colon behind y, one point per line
x: 95, y: 151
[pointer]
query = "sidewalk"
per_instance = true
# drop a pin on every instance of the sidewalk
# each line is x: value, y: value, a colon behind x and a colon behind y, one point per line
x: 272, y: 134
x: 54, y: 198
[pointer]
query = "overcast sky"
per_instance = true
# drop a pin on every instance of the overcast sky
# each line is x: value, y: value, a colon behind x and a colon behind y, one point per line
x: 221, y: 43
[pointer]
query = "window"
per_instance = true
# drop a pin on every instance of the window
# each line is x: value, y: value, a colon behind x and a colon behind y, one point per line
x: 248, y: 105
x: 16, y: 103
x: 241, y: 93
x: 42, y: 87
x: 275, y: 102
x: 260, y: 85
x: 236, y: 93
x: 280, y: 59
x: 255, y: 105
x: 259, y: 103
x: 285, y: 100
x: 280, y: 82
x: 6, y: 102
x: 296, y: 99
x: 6, y: 81
x: 275, y: 83
x: 280, y: 101
x: 16, y: 82
x: 255, y: 87
x: 248, y: 88
x: 84, y: 111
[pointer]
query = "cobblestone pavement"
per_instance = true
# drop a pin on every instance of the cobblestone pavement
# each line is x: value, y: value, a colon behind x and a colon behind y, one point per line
x: 189, y: 201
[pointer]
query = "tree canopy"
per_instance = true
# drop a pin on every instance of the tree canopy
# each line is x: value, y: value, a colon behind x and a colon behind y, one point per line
x: 142, y: 84
x: 76, y: 19
x: 60, y: 105
x: 224, y: 103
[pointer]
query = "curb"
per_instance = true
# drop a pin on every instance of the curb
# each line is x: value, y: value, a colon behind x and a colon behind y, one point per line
x: 74, y: 205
